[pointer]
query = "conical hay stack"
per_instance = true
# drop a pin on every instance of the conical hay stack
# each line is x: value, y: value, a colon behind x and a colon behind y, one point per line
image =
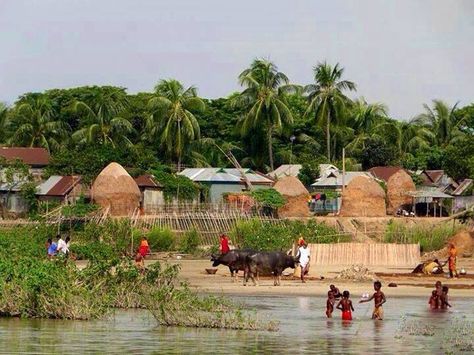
x: 363, y: 197
x: 398, y: 185
x: 296, y: 196
x: 116, y: 189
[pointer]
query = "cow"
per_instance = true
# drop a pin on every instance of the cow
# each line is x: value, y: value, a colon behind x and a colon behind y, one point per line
x: 235, y: 260
x: 266, y: 262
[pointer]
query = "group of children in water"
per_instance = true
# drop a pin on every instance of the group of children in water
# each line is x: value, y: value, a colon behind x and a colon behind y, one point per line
x: 438, y: 300
x: 439, y: 297
x: 345, y: 304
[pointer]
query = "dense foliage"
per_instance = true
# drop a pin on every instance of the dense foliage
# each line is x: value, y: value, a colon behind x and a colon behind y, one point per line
x: 269, y: 236
x: 268, y: 198
x: 85, y: 128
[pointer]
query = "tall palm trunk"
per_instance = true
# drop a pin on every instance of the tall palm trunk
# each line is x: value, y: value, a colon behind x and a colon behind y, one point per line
x: 328, y: 136
x: 270, y: 147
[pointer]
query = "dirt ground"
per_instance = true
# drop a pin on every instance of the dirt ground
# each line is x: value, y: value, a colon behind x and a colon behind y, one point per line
x: 194, y: 272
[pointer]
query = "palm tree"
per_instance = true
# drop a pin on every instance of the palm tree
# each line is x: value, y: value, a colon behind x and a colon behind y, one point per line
x: 364, y: 118
x: 33, y: 124
x: 102, y: 123
x: 442, y: 122
x: 408, y: 136
x: 326, y: 98
x: 172, y: 120
x: 264, y: 100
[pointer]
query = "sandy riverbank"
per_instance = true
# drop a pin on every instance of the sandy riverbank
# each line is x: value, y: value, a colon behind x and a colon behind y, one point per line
x: 409, y: 285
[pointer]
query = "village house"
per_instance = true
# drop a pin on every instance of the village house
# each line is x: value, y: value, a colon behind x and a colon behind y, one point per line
x: 36, y: 158
x: 286, y: 170
x: 64, y: 189
x: 221, y: 181
x: 151, y: 192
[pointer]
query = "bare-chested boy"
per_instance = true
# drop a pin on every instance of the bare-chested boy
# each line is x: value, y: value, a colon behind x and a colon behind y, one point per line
x: 439, y: 293
x: 433, y: 302
x: 330, y: 304
x: 345, y: 305
x: 335, y: 290
x: 444, y: 298
x: 379, y: 300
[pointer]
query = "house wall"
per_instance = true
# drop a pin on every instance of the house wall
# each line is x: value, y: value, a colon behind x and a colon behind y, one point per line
x: 152, y: 198
x: 462, y: 202
x: 217, y: 190
x: 13, y: 203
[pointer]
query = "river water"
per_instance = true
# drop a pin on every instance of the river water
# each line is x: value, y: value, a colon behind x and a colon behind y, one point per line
x: 303, y: 329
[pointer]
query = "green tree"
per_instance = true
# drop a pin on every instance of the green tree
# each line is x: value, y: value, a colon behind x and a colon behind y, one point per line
x: 377, y: 152
x: 173, y: 117
x: 442, y: 121
x: 33, y: 124
x: 3, y: 121
x: 327, y: 101
x: 458, y: 159
x: 265, y: 101
x: 102, y: 123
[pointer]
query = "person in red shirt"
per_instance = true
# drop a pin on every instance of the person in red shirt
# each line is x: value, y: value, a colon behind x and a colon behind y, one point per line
x: 224, y: 244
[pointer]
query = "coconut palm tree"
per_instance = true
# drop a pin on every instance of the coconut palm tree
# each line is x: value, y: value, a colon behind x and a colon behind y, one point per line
x: 363, y: 119
x: 442, y: 122
x: 264, y: 100
x: 33, y: 124
x: 326, y: 98
x: 102, y: 123
x: 173, y: 118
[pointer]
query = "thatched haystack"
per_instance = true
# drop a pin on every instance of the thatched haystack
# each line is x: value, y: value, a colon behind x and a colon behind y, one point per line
x: 363, y: 197
x: 115, y: 189
x: 398, y: 185
x: 296, y: 196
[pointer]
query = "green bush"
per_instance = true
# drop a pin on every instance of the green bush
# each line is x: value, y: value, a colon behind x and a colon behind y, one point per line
x: 190, y: 242
x: 429, y: 237
x: 259, y: 235
x: 268, y: 198
x: 161, y: 239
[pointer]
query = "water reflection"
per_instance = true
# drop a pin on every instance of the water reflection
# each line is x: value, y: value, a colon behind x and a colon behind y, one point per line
x: 304, y: 328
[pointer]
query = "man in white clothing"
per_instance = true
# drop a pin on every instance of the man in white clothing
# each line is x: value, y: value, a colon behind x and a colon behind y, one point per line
x: 304, y: 257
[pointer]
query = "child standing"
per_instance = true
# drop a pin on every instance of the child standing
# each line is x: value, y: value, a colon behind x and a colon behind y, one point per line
x: 379, y: 300
x: 433, y: 302
x: 439, y: 293
x: 452, y: 260
x: 444, y: 298
x: 345, y: 305
x: 330, y: 304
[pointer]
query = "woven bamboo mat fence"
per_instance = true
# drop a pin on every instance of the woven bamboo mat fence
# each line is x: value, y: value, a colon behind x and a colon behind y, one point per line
x: 207, y: 224
x: 399, y: 255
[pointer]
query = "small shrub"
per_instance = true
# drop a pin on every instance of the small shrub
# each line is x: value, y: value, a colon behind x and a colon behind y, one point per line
x: 161, y: 239
x: 190, y: 242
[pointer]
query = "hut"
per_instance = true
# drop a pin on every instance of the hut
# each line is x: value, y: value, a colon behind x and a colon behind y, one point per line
x: 296, y: 196
x: 116, y: 190
x: 363, y: 197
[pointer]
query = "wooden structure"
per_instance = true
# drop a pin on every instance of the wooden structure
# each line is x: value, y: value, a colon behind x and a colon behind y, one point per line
x: 399, y: 255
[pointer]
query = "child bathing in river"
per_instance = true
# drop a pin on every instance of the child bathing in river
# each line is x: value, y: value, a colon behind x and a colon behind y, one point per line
x: 444, y: 298
x: 379, y: 300
x: 330, y: 304
x: 433, y: 302
x: 345, y: 305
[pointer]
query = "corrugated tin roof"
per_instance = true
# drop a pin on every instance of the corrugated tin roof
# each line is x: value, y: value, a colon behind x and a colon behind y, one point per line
x: 333, y: 179
x: 147, y: 180
x: 224, y: 175
x: 286, y: 170
x: 15, y: 187
x: 425, y: 193
x: 463, y: 186
x: 58, y: 185
x: 384, y: 172
x: 31, y: 156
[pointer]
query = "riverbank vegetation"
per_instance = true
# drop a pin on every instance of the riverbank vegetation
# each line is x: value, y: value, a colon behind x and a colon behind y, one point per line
x: 269, y: 236
x: 85, y: 128
x: 33, y: 286
x: 430, y: 238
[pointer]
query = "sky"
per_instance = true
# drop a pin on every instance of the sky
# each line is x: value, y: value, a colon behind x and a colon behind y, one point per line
x: 403, y: 53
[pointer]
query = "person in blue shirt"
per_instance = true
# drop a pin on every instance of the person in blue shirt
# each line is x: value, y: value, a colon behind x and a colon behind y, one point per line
x: 52, y: 248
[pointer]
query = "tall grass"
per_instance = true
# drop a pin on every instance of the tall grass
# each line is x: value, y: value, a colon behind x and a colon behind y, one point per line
x: 429, y: 237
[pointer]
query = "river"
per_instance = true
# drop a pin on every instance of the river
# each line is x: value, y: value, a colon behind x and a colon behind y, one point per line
x: 303, y: 329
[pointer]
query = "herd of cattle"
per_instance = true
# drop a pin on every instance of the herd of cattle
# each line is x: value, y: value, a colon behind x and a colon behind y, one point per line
x: 253, y: 263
